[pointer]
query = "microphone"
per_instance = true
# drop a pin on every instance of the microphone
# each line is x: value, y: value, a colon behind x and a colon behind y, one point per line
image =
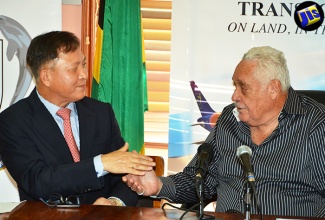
x: 205, y: 154
x: 244, y: 153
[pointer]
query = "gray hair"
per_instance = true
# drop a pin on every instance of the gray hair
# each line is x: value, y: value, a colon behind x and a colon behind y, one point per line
x: 271, y: 65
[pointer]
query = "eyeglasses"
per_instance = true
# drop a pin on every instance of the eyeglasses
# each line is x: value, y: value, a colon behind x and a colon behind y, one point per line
x: 56, y: 200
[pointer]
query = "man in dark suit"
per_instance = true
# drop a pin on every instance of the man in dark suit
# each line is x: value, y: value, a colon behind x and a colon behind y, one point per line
x: 33, y: 136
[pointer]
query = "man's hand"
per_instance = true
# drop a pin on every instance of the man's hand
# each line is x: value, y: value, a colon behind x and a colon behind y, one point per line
x: 122, y: 161
x: 109, y: 201
x: 147, y: 185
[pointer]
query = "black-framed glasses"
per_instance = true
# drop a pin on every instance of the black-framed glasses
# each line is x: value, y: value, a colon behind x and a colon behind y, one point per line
x: 56, y: 200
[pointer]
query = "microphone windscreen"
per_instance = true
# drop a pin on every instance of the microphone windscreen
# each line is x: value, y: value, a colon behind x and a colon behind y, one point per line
x: 244, y: 149
x: 205, y: 147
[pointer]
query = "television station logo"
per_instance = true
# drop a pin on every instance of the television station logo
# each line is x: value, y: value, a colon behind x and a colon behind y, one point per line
x: 309, y: 16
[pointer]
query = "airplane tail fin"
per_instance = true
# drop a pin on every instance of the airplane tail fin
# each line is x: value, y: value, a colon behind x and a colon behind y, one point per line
x: 202, y: 103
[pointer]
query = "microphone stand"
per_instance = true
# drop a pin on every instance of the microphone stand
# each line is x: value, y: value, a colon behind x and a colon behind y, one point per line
x: 247, y: 200
x: 199, y: 191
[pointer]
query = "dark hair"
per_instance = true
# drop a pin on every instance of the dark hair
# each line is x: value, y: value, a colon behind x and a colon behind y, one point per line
x: 46, y: 47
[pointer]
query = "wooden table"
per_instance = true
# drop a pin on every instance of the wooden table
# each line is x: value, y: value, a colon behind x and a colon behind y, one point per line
x: 38, y: 210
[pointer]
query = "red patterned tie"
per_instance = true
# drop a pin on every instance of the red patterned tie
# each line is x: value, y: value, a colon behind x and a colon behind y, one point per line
x: 64, y: 113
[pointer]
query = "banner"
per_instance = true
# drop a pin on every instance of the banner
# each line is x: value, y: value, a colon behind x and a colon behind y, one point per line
x: 20, y: 21
x: 209, y: 39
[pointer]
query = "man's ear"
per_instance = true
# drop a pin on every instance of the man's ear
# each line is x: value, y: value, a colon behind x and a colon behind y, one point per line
x: 44, y: 77
x: 275, y: 88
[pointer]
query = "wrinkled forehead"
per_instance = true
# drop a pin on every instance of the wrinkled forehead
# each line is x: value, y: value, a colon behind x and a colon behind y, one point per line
x: 245, y: 70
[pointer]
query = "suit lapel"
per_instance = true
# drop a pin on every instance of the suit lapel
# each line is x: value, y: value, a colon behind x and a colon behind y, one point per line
x: 49, y: 132
x: 87, y: 129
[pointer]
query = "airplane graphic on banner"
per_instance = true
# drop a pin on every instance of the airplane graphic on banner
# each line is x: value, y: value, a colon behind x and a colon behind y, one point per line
x: 209, y: 116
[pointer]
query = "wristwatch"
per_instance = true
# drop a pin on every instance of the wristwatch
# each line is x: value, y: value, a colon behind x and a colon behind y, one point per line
x: 117, y: 201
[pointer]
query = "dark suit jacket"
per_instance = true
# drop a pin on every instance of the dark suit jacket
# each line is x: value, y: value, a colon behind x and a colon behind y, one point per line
x: 37, y: 156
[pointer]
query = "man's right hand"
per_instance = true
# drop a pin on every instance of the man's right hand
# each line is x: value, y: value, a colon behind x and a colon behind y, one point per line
x: 122, y: 161
x: 147, y: 185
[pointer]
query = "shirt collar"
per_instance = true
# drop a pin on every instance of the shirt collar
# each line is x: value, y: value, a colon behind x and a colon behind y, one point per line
x: 54, y: 108
x: 293, y: 103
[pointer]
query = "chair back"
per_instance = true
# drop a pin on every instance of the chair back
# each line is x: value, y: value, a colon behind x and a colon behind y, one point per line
x: 318, y: 95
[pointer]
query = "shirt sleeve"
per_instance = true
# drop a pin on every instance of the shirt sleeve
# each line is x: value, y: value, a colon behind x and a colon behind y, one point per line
x: 168, y: 189
x: 99, y: 166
